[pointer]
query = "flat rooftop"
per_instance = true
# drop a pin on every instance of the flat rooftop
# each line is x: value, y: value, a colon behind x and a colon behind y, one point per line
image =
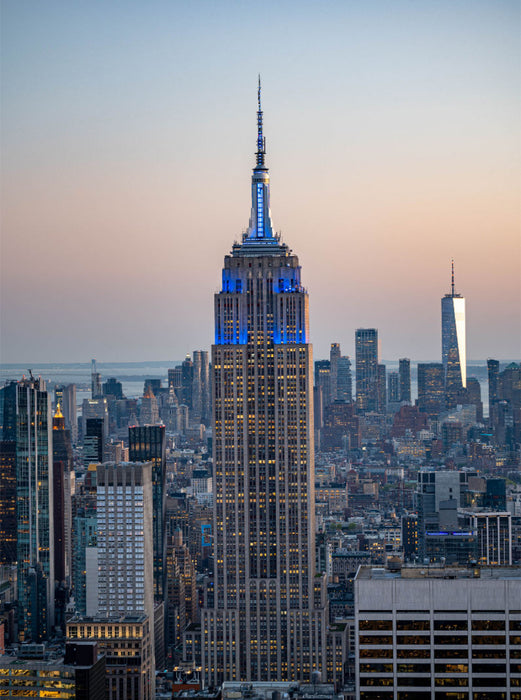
x: 439, y: 572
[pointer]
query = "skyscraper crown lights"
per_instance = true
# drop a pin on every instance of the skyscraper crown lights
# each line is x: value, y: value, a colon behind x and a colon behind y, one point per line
x: 259, y: 236
x: 260, y: 259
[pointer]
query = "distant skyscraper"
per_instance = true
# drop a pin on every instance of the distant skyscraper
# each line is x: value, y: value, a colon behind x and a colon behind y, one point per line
x: 8, y: 411
x: 175, y: 379
x: 338, y: 371
x: 7, y: 502
x: 453, y: 346
x: 34, y: 509
x: 323, y: 380
x: 382, y: 388
x: 187, y: 380
x: 84, y: 538
x: 334, y: 356
x: 113, y: 388
x: 149, y: 412
x: 65, y: 395
x: 95, y: 408
x: 95, y: 382
x: 366, y: 351
x: 393, y: 392
x: 125, y: 541
x: 93, y: 441
x: 63, y: 476
x: 268, y: 618
x: 493, y: 383
x: 8, y: 473
x: 148, y: 444
x: 404, y: 370
x: 344, y: 384
x: 431, y: 389
x: 473, y: 396
x: 201, y: 386
x: 436, y: 490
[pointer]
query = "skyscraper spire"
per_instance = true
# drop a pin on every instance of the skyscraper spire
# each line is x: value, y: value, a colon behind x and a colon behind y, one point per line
x: 266, y: 620
x: 260, y: 229
x: 452, y: 282
x: 261, y: 143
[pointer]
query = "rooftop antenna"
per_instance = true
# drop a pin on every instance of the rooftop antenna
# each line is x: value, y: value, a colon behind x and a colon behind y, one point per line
x: 261, y: 141
x: 452, y: 283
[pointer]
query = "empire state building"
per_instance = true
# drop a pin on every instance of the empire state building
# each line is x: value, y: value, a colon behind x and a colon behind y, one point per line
x: 266, y: 617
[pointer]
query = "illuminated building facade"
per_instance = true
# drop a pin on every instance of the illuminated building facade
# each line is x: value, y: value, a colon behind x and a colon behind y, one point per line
x: 79, y: 675
x: 438, y: 633
x: 268, y: 618
x: 453, y: 347
x: 8, y: 473
x: 8, y: 502
x: 34, y: 510
x: 126, y: 643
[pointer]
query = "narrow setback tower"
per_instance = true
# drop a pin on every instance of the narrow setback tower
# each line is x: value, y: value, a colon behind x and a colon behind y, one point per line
x: 267, y: 621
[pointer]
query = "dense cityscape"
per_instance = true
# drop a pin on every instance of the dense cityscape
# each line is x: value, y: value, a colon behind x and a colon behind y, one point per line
x: 262, y: 524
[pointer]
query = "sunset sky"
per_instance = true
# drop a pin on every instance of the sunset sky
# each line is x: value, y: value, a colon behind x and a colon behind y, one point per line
x: 128, y: 139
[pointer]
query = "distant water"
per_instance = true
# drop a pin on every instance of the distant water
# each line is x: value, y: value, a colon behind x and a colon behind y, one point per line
x: 132, y: 375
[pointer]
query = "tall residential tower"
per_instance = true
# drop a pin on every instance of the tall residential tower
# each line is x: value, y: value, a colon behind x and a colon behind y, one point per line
x: 268, y: 618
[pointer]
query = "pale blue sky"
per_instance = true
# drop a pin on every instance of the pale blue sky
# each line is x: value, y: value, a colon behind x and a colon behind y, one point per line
x: 128, y: 132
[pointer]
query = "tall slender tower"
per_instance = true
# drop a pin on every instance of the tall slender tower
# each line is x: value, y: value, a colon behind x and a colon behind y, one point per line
x: 366, y: 349
x: 34, y: 510
x: 148, y: 444
x: 453, y: 348
x: 268, y: 618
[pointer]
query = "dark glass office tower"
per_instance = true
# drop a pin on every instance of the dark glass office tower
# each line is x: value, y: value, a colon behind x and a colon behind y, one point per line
x: 493, y: 383
x: 7, y: 501
x: 34, y: 509
x: 148, y: 444
x: 63, y: 466
x: 93, y: 441
x: 404, y: 370
x: 268, y: 618
x: 431, y: 388
x: 367, y: 374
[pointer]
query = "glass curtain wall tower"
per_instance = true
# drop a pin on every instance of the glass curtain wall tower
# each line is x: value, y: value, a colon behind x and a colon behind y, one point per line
x: 268, y: 618
x: 453, y: 347
x: 34, y: 510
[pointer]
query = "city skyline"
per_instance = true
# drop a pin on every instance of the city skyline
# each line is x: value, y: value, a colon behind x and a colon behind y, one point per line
x: 393, y: 139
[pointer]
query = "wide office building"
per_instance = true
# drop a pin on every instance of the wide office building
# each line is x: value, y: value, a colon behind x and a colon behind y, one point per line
x: 436, y: 633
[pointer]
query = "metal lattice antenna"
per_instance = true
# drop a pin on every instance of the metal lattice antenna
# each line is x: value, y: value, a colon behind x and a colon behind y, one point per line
x: 452, y: 281
x: 261, y: 143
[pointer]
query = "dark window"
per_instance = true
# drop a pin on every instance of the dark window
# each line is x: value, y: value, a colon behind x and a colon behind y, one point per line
x: 375, y: 625
x: 450, y: 625
x: 413, y: 625
x: 488, y: 624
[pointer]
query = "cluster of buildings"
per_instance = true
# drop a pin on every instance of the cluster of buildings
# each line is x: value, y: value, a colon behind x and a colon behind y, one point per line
x: 256, y: 530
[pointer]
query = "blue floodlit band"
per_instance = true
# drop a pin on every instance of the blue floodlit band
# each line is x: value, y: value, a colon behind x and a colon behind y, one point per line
x: 260, y: 210
x: 461, y: 534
